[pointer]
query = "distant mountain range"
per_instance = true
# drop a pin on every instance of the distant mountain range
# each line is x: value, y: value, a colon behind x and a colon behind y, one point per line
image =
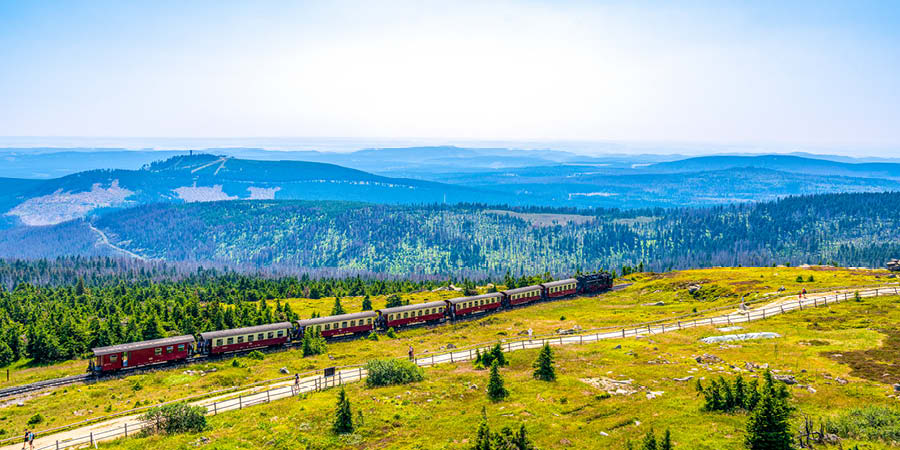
x: 436, y: 175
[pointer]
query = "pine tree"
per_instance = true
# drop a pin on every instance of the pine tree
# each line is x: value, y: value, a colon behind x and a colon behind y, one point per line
x: 343, y: 417
x: 152, y: 328
x: 337, y: 309
x: 6, y: 354
x: 496, y: 390
x: 752, y: 397
x: 666, y: 443
x: 649, y: 442
x: 544, y: 365
x: 768, y: 427
x: 740, y: 395
x: 367, y: 303
x: 483, y: 435
x: 498, y: 356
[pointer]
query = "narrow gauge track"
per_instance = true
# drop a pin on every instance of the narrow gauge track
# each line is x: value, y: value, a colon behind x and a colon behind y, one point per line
x: 89, y: 377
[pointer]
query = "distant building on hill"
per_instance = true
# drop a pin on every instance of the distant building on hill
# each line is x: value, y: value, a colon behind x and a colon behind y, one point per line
x: 894, y: 265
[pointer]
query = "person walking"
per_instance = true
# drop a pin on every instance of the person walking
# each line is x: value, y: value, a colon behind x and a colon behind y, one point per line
x: 31, y: 440
x: 25, y: 442
x: 411, y: 356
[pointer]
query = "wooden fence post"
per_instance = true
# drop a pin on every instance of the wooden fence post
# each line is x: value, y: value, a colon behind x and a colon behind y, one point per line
x: 268, y: 397
x: 240, y: 402
x: 126, y: 433
x: 92, y: 438
x: 215, y: 410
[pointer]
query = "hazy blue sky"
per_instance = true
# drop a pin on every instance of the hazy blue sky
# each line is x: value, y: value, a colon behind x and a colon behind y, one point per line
x: 819, y: 72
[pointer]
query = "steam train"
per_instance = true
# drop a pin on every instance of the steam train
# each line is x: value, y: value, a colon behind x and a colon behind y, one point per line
x: 134, y: 355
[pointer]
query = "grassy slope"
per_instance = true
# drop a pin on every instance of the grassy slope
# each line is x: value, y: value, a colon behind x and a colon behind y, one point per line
x: 74, y: 403
x: 443, y: 411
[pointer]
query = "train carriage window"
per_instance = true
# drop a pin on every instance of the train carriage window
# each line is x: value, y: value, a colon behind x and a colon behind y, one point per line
x: 327, y: 326
x: 113, y: 358
x: 170, y: 349
x: 369, y: 321
x: 230, y: 341
x: 405, y: 315
x: 250, y: 338
x: 270, y: 335
x: 343, y: 324
x: 218, y: 342
x: 240, y: 340
x: 157, y: 351
x: 280, y: 333
x: 180, y: 347
x: 352, y: 323
x: 260, y: 336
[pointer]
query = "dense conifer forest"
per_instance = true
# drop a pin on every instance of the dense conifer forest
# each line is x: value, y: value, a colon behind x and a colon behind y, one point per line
x: 476, y: 240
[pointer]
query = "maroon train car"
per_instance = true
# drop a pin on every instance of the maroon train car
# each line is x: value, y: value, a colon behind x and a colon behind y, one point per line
x: 239, y: 339
x: 409, y: 315
x: 342, y: 325
x: 465, y: 306
x: 144, y: 353
x: 523, y: 295
x: 560, y: 288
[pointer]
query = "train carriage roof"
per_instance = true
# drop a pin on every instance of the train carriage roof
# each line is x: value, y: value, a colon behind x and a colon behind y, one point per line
x: 522, y: 289
x: 340, y: 318
x: 475, y: 297
x: 418, y: 306
x: 130, y: 347
x: 559, y: 282
x: 246, y: 330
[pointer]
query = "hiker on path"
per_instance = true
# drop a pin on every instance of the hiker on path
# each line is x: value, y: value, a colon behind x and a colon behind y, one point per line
x: 411, y: 357
x: 25, y: 442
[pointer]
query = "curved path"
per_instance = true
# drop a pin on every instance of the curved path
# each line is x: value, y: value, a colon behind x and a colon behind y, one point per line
x: 125, y: 425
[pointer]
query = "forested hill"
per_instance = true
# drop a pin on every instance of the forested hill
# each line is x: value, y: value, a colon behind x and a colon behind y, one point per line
x: 847, y: 229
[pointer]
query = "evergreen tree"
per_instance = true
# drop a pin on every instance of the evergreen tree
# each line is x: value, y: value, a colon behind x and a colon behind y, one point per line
x: 740, y: 394
x: 666, y: 443
x: 6, y: 354
x: 366, y: 303
x: 483, y: 435
x: 313, y: 343
x: 343, y: 417
x: 496, y: 390
x: 768, y: 427
x: 544, y: 365
x: 752, y: 397
x: 337, y: 309
x: 649, y: 442
x: 152, y: 328
x: 394, y: 300
x: 498, y: 356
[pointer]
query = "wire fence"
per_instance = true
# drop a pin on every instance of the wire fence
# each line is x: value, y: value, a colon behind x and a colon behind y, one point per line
x: 313, y: 382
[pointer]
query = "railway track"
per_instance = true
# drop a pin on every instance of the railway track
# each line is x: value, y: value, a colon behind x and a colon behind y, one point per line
x: 38, y: 385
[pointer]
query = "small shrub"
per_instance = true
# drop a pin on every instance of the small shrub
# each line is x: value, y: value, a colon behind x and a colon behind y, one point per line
x: 868, y: 423
x: 36, y: 419
x: 237, y: 363
x: 391, y: 333
x: 177, y: 418
x: 373, y: 336
x: 136, y: 386
x: 562, y: 318
x: 799, y: 278
x: 384, y: 372
x: 257, y: 355
x: 811, y: 279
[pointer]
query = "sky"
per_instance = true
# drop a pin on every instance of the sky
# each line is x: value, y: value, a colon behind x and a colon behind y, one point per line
x: 777, y: 73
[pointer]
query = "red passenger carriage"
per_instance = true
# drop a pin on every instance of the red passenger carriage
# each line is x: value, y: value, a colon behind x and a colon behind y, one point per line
x: 140, y: 354
x: 342, y: 325
x: 561, y: 288
x: 238, y: 339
